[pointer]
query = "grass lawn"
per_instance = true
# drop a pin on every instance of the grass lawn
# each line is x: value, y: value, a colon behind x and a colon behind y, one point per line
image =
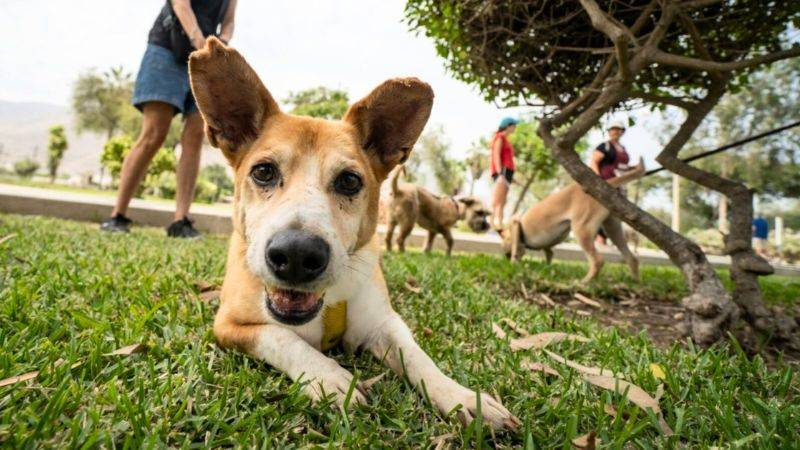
x: 68, y: 292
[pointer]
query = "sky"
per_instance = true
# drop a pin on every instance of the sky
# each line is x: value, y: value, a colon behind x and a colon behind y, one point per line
x: 293, y: 45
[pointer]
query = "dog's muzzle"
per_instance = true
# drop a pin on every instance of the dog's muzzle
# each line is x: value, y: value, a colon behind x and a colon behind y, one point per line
x: 297, y: 256
x: 293, y: 307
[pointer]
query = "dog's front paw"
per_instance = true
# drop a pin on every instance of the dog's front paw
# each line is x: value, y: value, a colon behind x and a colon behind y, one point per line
x: 336, y: 381
x: 492, y: 411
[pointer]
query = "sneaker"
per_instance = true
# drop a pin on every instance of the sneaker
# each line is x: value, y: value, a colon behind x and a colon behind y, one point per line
x: 182, y: 229
x: 116, y: 224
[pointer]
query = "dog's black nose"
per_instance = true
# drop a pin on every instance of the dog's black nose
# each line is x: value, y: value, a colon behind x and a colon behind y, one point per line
x: 297, y: 256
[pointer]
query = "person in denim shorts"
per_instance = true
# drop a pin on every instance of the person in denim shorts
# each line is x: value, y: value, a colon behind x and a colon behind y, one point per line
x: 162, y: 90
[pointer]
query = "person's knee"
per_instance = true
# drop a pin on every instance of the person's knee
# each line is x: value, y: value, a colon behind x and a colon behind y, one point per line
x: 152, y: 138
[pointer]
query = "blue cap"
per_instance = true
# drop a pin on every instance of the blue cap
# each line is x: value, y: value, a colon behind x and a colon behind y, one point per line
x: 507, y: 122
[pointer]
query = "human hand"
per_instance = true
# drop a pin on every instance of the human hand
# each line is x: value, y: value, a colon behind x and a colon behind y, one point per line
x: 198, y: 41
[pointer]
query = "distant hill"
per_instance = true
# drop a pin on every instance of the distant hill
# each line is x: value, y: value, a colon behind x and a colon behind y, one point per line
x: 23, y: 128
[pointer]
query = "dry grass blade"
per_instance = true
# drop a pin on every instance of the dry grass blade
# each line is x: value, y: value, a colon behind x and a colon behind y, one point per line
x: 539, y: 367
x: 33, y: 374
x: 4, y: 239
x: 439, y: 441
x: 586, y: 442
x: 127, y: 350
x: 412, y: 285
x: 610, y: 410
x: 586, y: 300
x: 633, y: 393
x: 586, y: 370
x: 513, y: 325
x: 498, y: 331
x: 549, y: 301
x: 541, y: 340
x: 369, y: 382
x: 208, y: 296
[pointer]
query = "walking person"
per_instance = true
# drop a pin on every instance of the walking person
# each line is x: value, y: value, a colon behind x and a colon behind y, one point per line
x: 607, y: 158
x: 501, y: 167
x: 760, y: 235
x: 162, y: 90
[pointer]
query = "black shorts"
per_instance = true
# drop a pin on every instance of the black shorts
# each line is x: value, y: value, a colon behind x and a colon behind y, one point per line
x: 507, y: 173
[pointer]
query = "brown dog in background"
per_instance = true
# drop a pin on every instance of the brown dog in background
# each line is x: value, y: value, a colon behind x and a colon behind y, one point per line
x: 549, y: 222
x: 410, y: 204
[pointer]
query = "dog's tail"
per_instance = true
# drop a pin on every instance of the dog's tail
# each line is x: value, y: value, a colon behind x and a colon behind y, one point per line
x: 396, y: 176
x: 631, y: 175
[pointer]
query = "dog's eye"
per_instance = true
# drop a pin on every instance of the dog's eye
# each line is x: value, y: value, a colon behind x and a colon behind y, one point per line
x: 348, y: 183
x: 265, y: 174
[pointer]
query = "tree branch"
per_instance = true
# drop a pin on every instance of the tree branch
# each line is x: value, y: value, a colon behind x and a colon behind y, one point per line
x: 670, y: 59
x: 602, y: 22
x: 664, y: 99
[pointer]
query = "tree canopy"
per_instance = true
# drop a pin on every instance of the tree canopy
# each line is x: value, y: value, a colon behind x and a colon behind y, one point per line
x: 56, y: 146
x: 547, y: 51
x: 322, y: 102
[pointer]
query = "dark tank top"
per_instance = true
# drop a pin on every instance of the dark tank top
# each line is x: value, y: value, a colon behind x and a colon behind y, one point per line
x: 207, y: 13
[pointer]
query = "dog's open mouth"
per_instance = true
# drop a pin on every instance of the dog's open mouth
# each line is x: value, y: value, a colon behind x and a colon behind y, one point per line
x: 293, y: 307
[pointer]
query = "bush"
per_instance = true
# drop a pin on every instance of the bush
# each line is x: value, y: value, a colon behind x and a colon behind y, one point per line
x: 114, y: 152
x: 709, y: 239
x: 162, y: 185
x: 218, y: 175
x: 206, y: 191
x: 26, y: 167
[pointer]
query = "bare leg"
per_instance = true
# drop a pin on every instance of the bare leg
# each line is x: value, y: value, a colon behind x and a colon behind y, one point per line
x: 613, y: 229
x: 499, y: 194
x: 429, y: 241
x: 156, y: 118
x: 189, y: 164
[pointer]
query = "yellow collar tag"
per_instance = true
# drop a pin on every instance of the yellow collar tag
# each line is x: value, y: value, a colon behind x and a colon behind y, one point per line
x: 334, y: 321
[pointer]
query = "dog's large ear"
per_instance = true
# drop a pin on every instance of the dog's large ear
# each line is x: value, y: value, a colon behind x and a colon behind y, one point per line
x: 467, y: 201
x: 389, y: 121
x: 234, y: 103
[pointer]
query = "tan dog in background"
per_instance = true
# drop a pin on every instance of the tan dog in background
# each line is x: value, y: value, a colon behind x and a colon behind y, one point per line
x: 303, y: 270
x: 549, y: 222
x: 410, y: 204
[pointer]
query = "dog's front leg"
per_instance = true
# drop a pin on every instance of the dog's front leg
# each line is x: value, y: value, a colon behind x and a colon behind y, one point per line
x: 286, y: 351
x: 395, y: 344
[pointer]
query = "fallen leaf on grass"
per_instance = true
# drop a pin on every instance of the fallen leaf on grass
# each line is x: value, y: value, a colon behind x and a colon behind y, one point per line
x: 440, y: 441
x: 7, y: 238
x: 631, y: 302
x: 127, y: 350
x: 633, y: 393
x: 498, y: 331
x: 33, y: 374
x: 657, y: 371
x: 586, y: 370
x: 204, y: 286
x: 610, y: 410
x: 412, y: 285
x: 586, y: 442
x: 549, y: 301
x: 539, y: 367
x: 541, y: 340
x: 513, y: 325
x: 427, y: 331
x: 208, y: 296
x: 586, y: 300
x: 369, y: 382
x: 583, y: 313
x: 659, y: 392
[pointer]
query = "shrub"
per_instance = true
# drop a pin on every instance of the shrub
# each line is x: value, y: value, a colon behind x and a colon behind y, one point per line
x: 218, y: 175
x: 206, y: 191
x: 26, y: 167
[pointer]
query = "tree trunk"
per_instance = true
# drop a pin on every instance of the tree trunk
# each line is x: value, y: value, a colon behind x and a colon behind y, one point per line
x: 522, y: 193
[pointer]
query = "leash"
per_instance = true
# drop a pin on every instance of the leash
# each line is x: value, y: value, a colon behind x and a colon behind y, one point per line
x: 752, y: 138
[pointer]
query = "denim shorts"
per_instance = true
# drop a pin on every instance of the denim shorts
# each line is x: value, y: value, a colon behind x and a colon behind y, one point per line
x: 162, y: 79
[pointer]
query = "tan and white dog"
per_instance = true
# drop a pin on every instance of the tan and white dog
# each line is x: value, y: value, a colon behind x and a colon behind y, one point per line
x: 303, y: 270
x: 548, y: 223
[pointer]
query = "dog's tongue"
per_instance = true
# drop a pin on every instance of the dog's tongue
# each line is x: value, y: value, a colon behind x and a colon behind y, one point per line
x: 289, y: 301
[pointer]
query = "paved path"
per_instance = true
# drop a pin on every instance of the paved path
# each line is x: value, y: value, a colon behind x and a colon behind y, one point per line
x: 216, y: 219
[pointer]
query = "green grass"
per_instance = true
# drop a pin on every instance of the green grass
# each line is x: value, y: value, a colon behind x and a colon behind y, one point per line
x: 69, y: 292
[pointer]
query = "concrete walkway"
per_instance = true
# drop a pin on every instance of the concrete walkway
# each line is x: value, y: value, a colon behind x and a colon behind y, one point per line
x: 217, y: 219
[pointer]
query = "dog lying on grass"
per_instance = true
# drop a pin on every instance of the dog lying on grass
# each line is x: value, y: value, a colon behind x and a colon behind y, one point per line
x: 548, y: 223
x: 303, y: 270
x: 411, y: 204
